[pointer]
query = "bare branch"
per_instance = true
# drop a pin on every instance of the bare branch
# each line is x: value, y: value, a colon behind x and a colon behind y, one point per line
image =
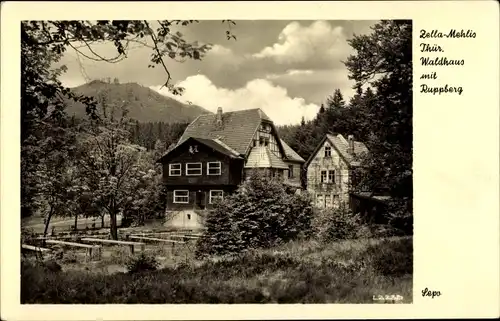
x: 155, y: 41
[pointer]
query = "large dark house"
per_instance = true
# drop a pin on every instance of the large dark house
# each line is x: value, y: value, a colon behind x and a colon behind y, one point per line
x: 215, y: 154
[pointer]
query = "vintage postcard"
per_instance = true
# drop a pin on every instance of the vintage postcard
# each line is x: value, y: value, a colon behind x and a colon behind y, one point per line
x: 215, y: 160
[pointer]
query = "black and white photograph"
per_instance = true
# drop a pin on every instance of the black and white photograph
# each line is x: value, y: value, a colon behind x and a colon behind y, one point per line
x: 216, y: 161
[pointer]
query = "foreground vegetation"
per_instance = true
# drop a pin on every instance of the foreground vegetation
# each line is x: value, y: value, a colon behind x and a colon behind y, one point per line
x: 296, y: 272
x: 263, y: 243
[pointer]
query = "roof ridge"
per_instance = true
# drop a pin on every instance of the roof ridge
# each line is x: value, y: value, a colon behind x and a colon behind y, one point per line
x: 342, y: 139
x: 225, y: 146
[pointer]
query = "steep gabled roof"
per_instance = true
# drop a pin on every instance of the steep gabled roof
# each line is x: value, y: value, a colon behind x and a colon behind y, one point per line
x: 290, y: 153
x: 341, y: 146
x: 262, y: 157
x: 236, y: 131
x: 211, y: 143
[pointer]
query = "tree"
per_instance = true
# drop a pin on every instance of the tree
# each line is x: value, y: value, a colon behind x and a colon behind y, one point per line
x: 336, y: 100
x: 390, y: 73
x: 53, y: 177
x: 107, y: 155
x: 357, y: 100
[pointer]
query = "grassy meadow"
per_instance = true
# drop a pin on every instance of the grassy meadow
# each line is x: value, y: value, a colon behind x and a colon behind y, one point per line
x: 350, y: 271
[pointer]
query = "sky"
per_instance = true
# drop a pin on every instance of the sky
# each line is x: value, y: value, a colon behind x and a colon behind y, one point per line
x: 286, y: 68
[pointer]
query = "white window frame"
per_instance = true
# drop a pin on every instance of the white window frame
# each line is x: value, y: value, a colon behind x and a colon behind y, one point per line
x: 188, y: 169
x: 175, y: 196
x: 219, y: 168
x: 210, y: 195
x: 176, y: 169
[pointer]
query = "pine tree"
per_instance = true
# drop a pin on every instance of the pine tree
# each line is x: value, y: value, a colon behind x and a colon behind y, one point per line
x: 336, y: 101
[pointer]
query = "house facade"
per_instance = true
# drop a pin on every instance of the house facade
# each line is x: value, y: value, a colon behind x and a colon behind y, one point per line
x: 215, y: 154
x: 329, y: 169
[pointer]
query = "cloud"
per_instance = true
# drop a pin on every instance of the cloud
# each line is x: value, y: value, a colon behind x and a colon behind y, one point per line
x: 318, y: 44
x: 258, y: 93
x: 314, y: 85
x: 290, y: 72
x: 220, y: 50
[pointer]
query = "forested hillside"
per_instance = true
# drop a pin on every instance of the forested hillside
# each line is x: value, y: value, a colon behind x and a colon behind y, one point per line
x: 142, y: 103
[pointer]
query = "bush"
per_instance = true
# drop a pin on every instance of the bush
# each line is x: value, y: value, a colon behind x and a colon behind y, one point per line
x: 400, y: 217
x: 259, y: 214
x: 28, y: 236
x: 392, y: 257
x: 339, y: 224
x: 142, y: 263
x: 69, y: 257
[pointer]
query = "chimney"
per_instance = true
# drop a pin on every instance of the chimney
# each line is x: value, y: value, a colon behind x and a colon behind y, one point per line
x: 218, y: 116
x: 350, y: 141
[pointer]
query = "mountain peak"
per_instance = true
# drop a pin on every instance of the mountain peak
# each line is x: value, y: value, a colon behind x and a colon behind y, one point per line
x: 143, y: 103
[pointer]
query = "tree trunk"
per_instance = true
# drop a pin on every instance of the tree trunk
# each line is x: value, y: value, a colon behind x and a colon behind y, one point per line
x: 113, y: 227
x: 47, y: 221
x: 76, y: 222
x: 112, y: 222
x: 102, y: 221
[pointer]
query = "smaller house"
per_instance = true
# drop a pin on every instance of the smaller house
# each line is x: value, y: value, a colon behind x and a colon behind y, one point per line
x: 330, y: 169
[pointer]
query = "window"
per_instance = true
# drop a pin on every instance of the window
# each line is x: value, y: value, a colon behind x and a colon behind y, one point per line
x: 320, y: 200
x: 328, y: 200
x: 181, y: 197
x: 264, y: 141
x: 323, y: 176
x: 189, y: 216
x: 193, y: 169
x: 215, y: 195
x: 328, y: 151
x: 331, y: 176
x: 174, y: 169
x: 290, y: 171
x: 265, y: 128
x: 213, y: 168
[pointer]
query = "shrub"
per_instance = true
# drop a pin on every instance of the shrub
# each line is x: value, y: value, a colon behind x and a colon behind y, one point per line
x: 52, y: 265
x: 141, y: 263
x: 259, y: 214
x: 392, y: 257
x: 69, y: 257
x: 400, y: 217
x: 339, y: 224
x: 28, y: 236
